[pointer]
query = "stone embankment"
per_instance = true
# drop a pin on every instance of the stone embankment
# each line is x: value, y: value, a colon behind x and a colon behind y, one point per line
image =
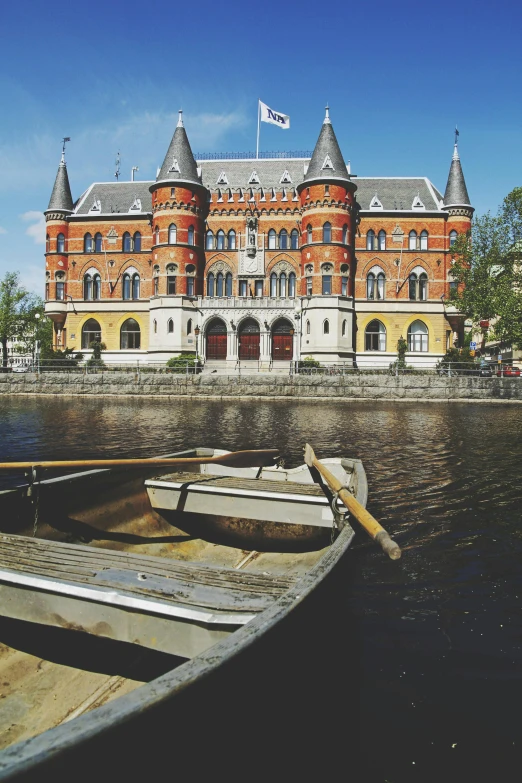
x: 356, y: 386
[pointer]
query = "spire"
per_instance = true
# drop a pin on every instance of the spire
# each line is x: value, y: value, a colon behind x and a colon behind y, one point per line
x: 327, y: 163
x: 61, y: 199
x: 456, y: 192
x: 179, y: 164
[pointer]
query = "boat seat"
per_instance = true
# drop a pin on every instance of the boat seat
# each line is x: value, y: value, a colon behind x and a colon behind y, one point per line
x: 239, y: 483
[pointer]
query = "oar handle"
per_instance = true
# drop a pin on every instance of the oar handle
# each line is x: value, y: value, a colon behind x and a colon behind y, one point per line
x: 370, y: 524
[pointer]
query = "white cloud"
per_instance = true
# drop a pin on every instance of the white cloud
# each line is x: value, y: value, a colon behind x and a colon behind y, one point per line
x: 32, y: 277
x: 3, y: 230
x: 36, y: 229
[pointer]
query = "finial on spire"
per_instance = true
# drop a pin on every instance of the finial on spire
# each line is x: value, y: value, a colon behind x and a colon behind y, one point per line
x: 456, y: 147
x: 64, y: 141
x: 180, y: 119
x: 327, y: 120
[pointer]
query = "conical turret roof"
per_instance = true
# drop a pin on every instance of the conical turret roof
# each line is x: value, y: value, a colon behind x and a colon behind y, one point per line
x: 456, y: 191
x: 327, y: 163
x: 61, y: 199
x: 179, y: 164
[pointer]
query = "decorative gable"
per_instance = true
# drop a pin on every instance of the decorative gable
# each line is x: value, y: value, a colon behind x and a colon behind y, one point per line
x: 327, y: 164
x: 96, y: 206
x: 174, y: 169
x: 254, y: 179
x: 286, y: 179
x: 417, y: 203
x: 136, y: 205
x: 375, y: 203
x: 222, y: 179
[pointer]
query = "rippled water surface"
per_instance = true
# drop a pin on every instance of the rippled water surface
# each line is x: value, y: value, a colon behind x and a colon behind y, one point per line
x: 437, y: 634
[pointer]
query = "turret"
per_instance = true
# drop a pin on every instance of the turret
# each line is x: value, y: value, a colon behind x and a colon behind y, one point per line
x: 456, y: 199
x: 327, y: 219
x: 56, y: 245
x: 179, y: 207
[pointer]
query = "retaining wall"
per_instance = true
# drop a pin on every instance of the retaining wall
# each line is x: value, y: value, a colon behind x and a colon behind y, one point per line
x: 354, y: 386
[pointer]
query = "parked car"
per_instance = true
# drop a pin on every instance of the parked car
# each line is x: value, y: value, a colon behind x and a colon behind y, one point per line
x: 483, y: 369
x: 508, y: 371
x: 23, y: 368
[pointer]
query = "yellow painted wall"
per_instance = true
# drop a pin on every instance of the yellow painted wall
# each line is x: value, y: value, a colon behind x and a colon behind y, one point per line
x: 110, y: 323
x: 397, y: 324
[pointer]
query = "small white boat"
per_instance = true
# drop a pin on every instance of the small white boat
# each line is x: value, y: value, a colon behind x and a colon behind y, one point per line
x: 198, y: 565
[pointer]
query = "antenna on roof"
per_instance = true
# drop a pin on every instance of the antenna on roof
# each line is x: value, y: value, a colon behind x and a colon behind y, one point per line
x: 117, y: 163
x: 134, y: 168
x: 64, y: 142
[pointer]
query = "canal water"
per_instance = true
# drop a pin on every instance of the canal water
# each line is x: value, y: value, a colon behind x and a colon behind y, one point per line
x: 436, y: 636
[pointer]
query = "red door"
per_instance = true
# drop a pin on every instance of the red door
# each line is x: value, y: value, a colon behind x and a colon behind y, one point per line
x: 282, y: 347
x: 216, y: 346
x: 249, y: 346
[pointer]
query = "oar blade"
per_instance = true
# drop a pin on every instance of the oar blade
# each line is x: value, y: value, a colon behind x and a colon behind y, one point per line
x: 260, y: 458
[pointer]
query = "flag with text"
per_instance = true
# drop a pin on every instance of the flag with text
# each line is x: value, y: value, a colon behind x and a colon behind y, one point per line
x: 273, y: 117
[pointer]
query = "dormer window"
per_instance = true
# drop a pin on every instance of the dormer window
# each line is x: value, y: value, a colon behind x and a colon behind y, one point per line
x: 96, y: 207
x: 327, y: 164
x: 174, y: 169
x: 375, y: 203
x: 222, y: 179
x: 417, y: 203
x: 254, y: 179
x: 286, y: 178
x: 136, y: 205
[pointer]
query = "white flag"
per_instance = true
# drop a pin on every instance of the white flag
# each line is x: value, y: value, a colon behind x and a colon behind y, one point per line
x: 274, y: 117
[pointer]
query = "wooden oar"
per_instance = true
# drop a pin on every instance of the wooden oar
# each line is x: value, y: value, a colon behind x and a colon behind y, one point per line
x: 362, y: 516
x: 234, y: 459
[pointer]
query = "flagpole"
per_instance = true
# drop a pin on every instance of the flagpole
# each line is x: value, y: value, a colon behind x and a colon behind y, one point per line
x: 258, y: 124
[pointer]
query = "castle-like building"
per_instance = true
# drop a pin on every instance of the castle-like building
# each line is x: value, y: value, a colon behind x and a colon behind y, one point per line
x: 267, y: 259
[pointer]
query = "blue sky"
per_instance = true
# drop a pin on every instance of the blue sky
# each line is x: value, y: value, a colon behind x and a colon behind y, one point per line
x: 112, y: 75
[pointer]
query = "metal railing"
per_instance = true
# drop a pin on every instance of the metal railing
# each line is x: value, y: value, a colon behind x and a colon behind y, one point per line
x: 202, y: 156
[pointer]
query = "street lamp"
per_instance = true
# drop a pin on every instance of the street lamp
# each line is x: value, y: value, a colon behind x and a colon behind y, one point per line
x: 196, y: 332
x: 36, y: 354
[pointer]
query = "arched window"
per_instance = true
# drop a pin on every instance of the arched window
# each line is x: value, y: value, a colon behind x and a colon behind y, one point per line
x: 96, y: 287
x: 156, y: 235
x: 60, y: 243
x: 231, y: 239
x: 294, y: 239
x: 345, y: 234
x: 418, y: 285
x: 219, y: 284
x: 327, y: 285
x: 98, y: 243
x: 127, y: 243
x: 48, y: 243
x: 126, y: 286
x: 453, y: 237
x: 282, y: 285
x: 136, y: 286
x: 155, y: 326
x: 308, y: 327
x: 413, y: 240
x: 189, y: 326
x: 130, y: 335
x: 370, y: 240
x: 272, y: 239
x: 418, y: 337
x: 375, y: 337
x: 220, y: 236
x: 423, y: 286
x: 87, y: 243
x: 291, y: 285
x: 309, y: 233
x: 190, y: 235
x: 326, y: 327
x: 273, y: 285
x: 380, y: 285
x: 424, y: 240
x: 412, y: 285
x: 137, y: 242
x: 87, y: 287
x: 170, y: 326
x: 210, y: 284
x: 228, y: 284
x: 343, y: 330
x: 327, y: 232
x: 91, y: 331
x: 209, y: 240
x: 370, y: 286
x: 173, y: 232
x: 283, y: 239
x: 381, y: 240
x: 375, y: 284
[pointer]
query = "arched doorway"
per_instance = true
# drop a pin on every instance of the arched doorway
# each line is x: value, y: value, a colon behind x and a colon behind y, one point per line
x: 217, y: 339
x: 282, y: 340
x: 249, y: 339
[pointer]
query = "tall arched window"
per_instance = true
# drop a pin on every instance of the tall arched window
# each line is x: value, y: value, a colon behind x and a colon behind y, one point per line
x: 294, y: 239
x: 170, y: 326
x: 137, y: 242
x: 283, y: 239
x: 308, y: 327
x: 228, y: 284
x: 155, y: 326
x: 370, y: 239
x: 127, y: 243
x: 412, y: 285
x: 453, y: 237
x: 98, y: 242
x: 413, y: 240
x: 210, y: 284
x: 424, y: 240
x: 326, y: 327
x: 220, y: 236
x: 291, y: 285
x: 345, y: 234
x: 219, y: 284
x: 130, y: 335
x: 272, y: 239
x: 91, y: 331
x: 190, y: 235
x: 327, y: 232
x: 231, y: 239
x: 309, y: 233
x: 381, y: 240
x: 418, y: 337
x: 135, y: 286
x: 418, y: 285
x: 423, y: 286
x: 282, y: 285
x: 87, y: 287
x: 209, y: 240
x: 189, y: 326
x: 375, y: 283
x: 173, y: 233
x: 343, y: 330
x: 375, y: 337
x: 126, y: 286
x: 273, y: 285
x: 156, y: 235
x: 87, y: 243
x: 48, y: 243
x: 60, y: 243
x: 96, y: 287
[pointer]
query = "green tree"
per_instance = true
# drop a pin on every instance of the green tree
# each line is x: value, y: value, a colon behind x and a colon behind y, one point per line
x: 488, y: 272
x: 17, y: 310
x: 97, y: 348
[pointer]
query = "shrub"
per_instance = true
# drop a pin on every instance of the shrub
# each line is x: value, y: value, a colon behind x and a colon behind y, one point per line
x: 309, y: 365
x: 187, y: 361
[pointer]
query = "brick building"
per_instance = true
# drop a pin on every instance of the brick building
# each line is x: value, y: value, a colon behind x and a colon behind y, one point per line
x: 269, y: 259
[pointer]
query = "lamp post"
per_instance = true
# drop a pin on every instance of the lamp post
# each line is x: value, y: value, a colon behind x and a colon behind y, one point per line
x: 36, y: 354
x: 196, y: 332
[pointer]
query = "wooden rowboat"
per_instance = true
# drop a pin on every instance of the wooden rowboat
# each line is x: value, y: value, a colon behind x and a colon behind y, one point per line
x: 196, y: 565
